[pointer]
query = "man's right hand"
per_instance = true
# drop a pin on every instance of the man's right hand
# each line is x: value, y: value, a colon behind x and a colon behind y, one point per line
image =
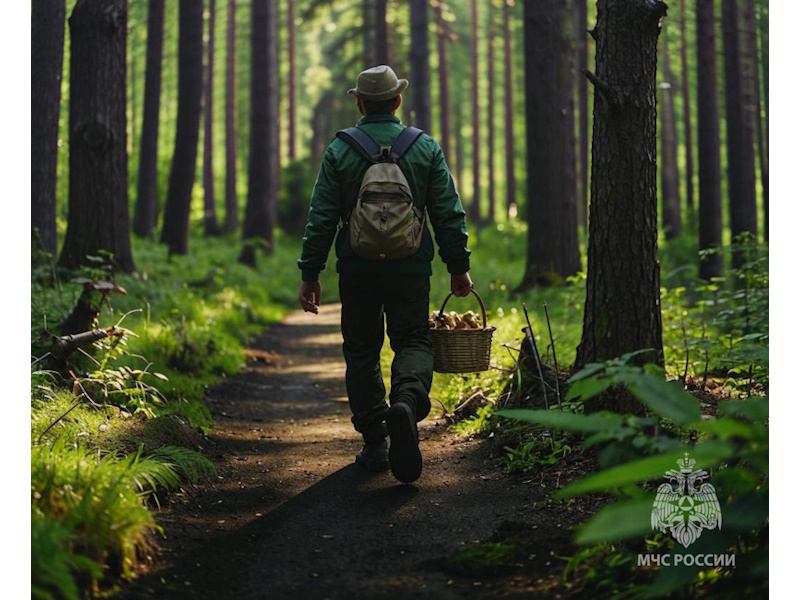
x: 310, y: 294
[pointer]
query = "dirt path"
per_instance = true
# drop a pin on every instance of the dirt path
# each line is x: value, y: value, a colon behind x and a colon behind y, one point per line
x: 292, y: 516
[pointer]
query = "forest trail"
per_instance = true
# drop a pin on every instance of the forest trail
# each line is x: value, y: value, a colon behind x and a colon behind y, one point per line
x: 291, y: 515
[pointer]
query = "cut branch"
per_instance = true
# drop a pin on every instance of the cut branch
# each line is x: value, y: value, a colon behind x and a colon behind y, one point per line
x: 606, y: 91
x: 65, y: 345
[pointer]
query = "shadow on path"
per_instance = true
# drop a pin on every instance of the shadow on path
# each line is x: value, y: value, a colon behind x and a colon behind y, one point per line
x: 291, y: 516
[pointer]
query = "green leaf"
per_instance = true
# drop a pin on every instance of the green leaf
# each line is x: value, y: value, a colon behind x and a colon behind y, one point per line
x: 589, y: 388
x: 586, y: 371
x: 619, y: 521
x: 565, y: 421
x: 708, y: 454
x: 753, y: 409
x: 665, y: 398
x: 726, y: 428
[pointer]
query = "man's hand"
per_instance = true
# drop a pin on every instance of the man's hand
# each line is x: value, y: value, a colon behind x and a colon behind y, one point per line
x: 310, y: 294
x: 460, y: 285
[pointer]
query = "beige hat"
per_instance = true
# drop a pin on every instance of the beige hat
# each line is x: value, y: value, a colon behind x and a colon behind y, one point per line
x: 378, y: 84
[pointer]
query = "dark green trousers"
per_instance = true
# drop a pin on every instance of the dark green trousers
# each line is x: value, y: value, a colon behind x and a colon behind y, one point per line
x: 403, y: 301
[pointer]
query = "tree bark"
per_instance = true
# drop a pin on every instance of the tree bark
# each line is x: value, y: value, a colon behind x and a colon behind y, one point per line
x: 146, y: 215
x: 291, y: 142
x: 382, y: 53
x: 444, y: 87
x: 763, y: 18
x: 687, y: 111
x: 741, y: 168
x: 511, y: 182
x: 553, y: 252
x: 175, y: 232
x: 623, y: 304
x: 709, y: 172
x: 98, y: 163
x: 420, y: 66
x: 458, y: 136
x: 369, y: 57
x: 47, y: 61
x: 582, y: 35
x: 210, y: 225
x: 262, y: 174
x: 670, y: 186
x: 753, y: 64
x: 475, y: 205
x: 490, y: 114
x: 231, y: 200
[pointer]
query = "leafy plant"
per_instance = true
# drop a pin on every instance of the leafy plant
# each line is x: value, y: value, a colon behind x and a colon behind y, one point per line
x: 735, y: 445
x: 100, y: 505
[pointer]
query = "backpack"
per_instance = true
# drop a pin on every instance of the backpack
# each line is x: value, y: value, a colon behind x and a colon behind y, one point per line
x: 383, y: 223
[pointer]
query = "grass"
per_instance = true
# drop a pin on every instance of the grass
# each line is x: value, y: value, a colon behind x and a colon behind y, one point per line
x: 103, y: 449
x: 97, y: 466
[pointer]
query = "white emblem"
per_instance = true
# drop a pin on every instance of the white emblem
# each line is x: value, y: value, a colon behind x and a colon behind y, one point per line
x: 683, y: 507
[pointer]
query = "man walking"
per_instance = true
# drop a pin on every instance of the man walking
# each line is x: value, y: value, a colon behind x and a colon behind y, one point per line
x: 381, y: 272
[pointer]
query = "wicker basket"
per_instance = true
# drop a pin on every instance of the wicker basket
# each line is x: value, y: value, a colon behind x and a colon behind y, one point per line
x: 462, y: 350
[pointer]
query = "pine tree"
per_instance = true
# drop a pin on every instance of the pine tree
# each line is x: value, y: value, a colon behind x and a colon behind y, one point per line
x: 98, y: 162
x: 47, y: 58
x: 623, y: 304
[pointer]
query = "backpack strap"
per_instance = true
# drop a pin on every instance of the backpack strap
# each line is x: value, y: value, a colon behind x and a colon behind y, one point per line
x: 360, y: 141
x: 404, y: 141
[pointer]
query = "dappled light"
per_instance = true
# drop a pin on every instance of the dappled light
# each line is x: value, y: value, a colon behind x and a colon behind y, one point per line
x: 385, y: 299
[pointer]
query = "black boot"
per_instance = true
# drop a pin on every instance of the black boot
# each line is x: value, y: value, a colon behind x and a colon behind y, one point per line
x: 404, y: 455
x: 374, y: 456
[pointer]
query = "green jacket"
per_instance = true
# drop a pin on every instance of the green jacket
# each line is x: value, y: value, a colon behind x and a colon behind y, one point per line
x: 335, y: 193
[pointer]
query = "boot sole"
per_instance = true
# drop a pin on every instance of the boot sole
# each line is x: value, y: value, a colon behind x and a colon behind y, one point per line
x: 405, y: 459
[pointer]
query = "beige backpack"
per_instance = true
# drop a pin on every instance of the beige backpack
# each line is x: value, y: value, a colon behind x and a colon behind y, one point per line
x: 384, y: 223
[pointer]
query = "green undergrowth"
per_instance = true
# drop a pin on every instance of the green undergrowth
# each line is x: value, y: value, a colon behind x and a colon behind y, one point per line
x: 120, y: 427
x: 633, y: 455
x: 714, y: 333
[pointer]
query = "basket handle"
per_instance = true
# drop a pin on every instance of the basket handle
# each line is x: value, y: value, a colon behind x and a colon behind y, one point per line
x: 480, y: 301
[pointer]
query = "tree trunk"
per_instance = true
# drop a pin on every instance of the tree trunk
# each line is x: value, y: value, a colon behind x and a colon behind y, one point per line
x: 47, y: 58
x: 623, y: 304
x: 475, y: 205
x: 511, y: 182
x: 146, y: 215
x: 763, y: 17
x: 98, y: 163
x: 262, y: 174
x: 444, y: 87
x: 741, y: 168
x: 582, y: 36
x: 370, y: 50
x: 687, y: 112
x: 175, y: 232
x: 210, y: 225
x: 553, y: 252
x: 231, y: 201
x: 291, y: 142
x: 458, y: 137
x: 709, y: 173
x: 490, y: 115
x: 670, y: 186
x: 753, y: 64
x: 382, y: 54
x: 420, y: 66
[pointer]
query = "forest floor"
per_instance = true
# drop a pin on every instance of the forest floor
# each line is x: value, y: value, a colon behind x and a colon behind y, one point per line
x: 291, y: 515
